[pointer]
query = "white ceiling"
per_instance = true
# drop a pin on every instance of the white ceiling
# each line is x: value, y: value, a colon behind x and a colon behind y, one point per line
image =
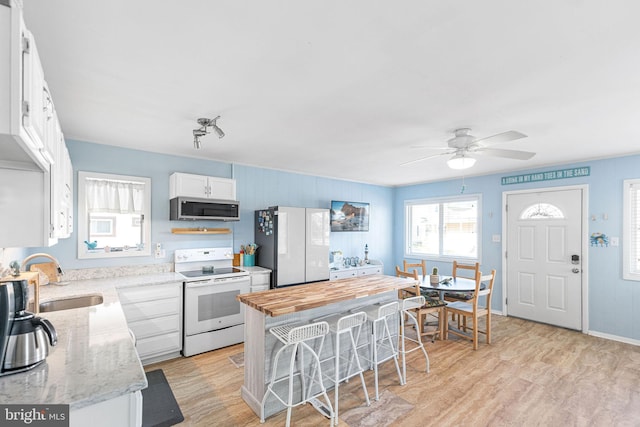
x: 346, y: 89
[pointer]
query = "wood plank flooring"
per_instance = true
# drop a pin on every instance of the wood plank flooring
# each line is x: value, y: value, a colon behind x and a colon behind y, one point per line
x: 531, y: 375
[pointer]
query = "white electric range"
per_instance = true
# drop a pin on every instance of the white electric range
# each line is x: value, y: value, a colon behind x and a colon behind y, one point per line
x: 213, y: 317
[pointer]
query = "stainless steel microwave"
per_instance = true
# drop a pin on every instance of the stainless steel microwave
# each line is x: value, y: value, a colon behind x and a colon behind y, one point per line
x: 192, y: 208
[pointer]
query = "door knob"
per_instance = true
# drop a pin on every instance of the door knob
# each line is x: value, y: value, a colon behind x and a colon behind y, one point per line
x: 575, y: 270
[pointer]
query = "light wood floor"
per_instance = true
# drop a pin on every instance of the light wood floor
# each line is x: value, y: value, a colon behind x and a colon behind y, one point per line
x: 532, y: 374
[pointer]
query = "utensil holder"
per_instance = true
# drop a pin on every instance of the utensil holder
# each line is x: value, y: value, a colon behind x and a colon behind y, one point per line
x: 249, y: 260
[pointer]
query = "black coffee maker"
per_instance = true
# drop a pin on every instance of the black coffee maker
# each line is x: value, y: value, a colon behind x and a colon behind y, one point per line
x: 24, y: 338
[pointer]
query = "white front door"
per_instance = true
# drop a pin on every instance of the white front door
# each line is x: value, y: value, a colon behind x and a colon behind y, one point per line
x: 544, y: 256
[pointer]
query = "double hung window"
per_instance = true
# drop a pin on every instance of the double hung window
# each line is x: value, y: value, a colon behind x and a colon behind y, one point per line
x: 443, y: 228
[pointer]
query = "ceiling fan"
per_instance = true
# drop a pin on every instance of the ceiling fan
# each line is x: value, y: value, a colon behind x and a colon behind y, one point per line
x: 464, y: 145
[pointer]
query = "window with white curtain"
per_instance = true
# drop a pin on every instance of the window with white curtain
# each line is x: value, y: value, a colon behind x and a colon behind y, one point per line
x: 631, y: 232
x: 443, y: 228
x: 114, y: 215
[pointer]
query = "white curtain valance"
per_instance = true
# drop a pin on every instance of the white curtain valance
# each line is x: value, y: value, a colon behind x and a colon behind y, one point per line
x: 115, y: 196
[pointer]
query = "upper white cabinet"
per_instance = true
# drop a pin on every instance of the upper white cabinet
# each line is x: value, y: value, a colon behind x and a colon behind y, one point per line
x: 206, y: 187
x: 61, y: 182
x: 35, y: 168
x: 26, y: 106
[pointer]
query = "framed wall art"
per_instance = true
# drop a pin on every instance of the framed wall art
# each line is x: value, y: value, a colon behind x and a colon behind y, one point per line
x: 349, y: 216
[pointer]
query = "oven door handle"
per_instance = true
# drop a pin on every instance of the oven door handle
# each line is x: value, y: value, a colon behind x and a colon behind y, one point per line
x: 199, y: 284
x: 229, y: 281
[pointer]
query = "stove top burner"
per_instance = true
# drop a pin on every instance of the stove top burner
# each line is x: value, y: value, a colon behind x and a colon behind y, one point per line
x: 210, y: 271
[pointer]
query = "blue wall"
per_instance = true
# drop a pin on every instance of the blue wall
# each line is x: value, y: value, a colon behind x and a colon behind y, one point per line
x: 256, y: 189
x: 614, y: 303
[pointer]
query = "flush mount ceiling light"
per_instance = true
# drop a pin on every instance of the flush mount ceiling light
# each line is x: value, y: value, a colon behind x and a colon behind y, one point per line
x: 461, y: 160
x: 203, y: 130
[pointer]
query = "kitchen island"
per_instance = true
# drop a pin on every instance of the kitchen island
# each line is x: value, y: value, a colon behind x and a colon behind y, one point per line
x: 299, y: 304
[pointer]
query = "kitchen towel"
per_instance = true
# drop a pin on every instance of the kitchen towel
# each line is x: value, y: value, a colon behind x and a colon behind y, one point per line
x: 159, y: 406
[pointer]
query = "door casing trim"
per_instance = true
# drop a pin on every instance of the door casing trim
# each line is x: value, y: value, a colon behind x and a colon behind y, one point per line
x: 585, y: 246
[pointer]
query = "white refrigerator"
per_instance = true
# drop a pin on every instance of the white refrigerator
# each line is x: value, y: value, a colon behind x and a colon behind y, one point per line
x: 293, y: 243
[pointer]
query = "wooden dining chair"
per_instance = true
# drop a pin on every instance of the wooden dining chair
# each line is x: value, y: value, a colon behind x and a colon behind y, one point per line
x: 433, y: 306
x: 469, y: 272
x: 422, y: 272
x: 471, y: 310
x: 421, y: 265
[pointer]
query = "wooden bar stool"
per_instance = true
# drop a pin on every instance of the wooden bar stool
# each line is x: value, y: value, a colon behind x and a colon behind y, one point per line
x: 296, y: 339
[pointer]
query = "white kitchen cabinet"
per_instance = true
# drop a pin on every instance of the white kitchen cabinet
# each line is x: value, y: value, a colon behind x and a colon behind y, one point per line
x: 154, y: 315
x: 124, y: 410
x: 343, y: 273
x: 375, y: 267
x: 366, y: 270
x: 201, y: 186
x: 25, y: 102
x: 260, y: 278
x: 32, y: 204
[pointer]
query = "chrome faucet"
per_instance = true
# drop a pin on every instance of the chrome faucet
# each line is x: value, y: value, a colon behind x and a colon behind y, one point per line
x: 36, y: 286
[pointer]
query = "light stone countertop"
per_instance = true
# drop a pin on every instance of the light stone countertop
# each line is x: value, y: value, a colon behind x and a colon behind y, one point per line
x: 95, y: 359
x: 254, y: 269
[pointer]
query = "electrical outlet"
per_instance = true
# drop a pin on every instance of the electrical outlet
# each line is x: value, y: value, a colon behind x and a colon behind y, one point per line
x: 159, y: 252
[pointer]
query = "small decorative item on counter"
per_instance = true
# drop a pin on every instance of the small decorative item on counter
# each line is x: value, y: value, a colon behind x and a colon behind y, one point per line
x: 366, y: 253
x: 337, y: 259
x: 91, y: 245
x: 434, y: 278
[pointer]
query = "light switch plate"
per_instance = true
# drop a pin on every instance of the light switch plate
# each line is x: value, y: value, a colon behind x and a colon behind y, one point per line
x: 615, y: 241
x: 495, y: 238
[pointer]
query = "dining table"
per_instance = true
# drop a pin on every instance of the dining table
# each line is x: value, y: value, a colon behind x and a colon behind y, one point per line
x: 448, y: 284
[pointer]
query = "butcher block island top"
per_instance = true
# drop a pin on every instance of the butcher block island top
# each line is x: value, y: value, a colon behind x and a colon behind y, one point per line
x: 292, y: 299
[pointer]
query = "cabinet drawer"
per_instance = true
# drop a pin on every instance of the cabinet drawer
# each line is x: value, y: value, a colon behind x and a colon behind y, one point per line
x: 159, y: 344
x: 342, y: 274
x: 151, y: 309
x: 158, y: 326
x: 259, y: 288
x: 260, y: 279
x: 148, y: 293
x: 369, y: 270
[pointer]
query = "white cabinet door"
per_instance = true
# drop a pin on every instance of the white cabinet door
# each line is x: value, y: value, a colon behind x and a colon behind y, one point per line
x: 37, y: 105
x: 222, y: 188
x: 188, y: 185
x: 124, y: 410
x: 201, y: 186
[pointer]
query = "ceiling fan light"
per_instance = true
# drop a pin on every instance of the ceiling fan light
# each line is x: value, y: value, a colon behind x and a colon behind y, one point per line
x: 460, y: 161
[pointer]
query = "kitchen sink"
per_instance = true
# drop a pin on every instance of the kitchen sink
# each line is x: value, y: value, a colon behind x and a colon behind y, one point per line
x: 71, y: 302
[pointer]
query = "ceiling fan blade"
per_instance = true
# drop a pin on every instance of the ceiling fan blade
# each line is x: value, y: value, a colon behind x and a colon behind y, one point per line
x: 428, y: 147
x: 507, y: 136
x: 509, y: 154
x: 425, y: 158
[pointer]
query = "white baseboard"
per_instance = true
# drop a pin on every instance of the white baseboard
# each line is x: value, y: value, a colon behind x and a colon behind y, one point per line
x: 614, y: 337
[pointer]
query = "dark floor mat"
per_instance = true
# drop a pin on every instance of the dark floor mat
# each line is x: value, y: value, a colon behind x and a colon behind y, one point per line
x: 159, y: 406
